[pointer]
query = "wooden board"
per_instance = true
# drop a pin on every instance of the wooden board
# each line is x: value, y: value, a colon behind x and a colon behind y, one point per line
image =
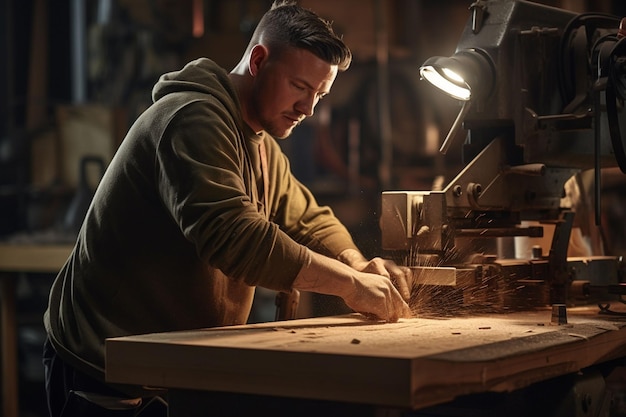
x: 410, y: 364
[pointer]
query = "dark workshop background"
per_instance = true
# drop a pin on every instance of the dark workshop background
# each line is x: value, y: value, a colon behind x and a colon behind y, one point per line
x: 75, y: 73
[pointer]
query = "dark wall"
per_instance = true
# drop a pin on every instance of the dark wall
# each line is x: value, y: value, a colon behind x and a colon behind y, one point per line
x: 15, y: 45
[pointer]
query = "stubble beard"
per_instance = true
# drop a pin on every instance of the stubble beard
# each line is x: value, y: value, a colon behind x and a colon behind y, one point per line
x: 277, y: 132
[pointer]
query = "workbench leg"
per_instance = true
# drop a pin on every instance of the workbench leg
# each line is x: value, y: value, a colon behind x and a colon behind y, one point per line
x: 9, y: 347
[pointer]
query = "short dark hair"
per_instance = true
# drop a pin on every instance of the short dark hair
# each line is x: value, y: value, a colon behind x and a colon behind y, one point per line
x: 288, y: 24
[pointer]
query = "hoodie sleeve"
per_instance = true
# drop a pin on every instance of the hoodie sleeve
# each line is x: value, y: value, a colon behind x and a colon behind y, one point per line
x: 297, y: 212
x: 205, y: 181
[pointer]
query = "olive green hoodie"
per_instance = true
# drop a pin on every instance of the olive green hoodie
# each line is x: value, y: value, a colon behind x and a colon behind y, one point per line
x: 176, y: 237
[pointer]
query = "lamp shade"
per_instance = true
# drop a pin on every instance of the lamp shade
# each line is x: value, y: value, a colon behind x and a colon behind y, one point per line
x: 465, y: 75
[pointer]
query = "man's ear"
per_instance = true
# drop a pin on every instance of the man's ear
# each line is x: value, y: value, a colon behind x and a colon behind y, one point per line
x: 258, y: 56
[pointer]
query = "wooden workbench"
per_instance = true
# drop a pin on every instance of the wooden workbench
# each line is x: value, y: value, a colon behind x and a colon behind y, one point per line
x: 411, y: 364
x: 18, y: 258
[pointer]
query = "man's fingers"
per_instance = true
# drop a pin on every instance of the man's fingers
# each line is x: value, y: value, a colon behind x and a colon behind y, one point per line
x: 406, y: 312
x: 378, y: 266
x: 402, y: 279
x: 401, y: 276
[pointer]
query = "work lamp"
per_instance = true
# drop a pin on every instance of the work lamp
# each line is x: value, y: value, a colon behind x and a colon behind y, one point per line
x: 463, y: 76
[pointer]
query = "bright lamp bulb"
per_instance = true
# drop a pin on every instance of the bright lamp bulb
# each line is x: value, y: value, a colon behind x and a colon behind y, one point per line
x: 452, y: 75
x: 466, y: 75
x: 447, y: 81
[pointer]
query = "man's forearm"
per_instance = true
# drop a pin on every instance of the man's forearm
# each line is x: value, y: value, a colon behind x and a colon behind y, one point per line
x: 351, y: 257
x: 325, y: 275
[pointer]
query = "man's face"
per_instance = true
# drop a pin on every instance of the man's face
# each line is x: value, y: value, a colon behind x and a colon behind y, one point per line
x: 286, y: 90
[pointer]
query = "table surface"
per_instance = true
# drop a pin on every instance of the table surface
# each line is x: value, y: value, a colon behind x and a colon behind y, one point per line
x: 412, y: 364
x: 33, y: 257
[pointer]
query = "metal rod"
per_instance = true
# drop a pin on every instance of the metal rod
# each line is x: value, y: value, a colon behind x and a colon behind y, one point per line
x: 534, y: 231
x: 79, y: 93
x: 458, y: 122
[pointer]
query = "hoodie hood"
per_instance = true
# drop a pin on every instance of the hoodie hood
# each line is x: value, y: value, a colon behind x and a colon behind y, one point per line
x: 202, y: 76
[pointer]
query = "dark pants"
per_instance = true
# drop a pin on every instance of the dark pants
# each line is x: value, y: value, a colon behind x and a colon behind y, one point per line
x: 62, y: 382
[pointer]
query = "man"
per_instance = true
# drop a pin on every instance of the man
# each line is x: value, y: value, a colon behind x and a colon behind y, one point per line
x: 198, y: 207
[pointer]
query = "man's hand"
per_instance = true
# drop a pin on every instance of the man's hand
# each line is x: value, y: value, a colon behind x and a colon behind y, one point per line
x: 376, y: 297
x: 371, y: 294
x: 401, y: 276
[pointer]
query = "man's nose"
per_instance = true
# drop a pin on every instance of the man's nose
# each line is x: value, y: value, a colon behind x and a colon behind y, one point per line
x: 306, y: 106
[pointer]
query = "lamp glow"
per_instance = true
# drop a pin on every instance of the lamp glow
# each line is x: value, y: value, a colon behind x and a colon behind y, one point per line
x: 452, y: 75
x: 448, y: 81
x: 463, y: 76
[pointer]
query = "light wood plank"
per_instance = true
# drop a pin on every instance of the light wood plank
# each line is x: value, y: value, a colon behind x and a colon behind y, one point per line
x: 410, y: 364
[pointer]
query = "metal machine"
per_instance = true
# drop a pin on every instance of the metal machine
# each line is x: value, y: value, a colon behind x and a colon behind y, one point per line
x: 542, y: 93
